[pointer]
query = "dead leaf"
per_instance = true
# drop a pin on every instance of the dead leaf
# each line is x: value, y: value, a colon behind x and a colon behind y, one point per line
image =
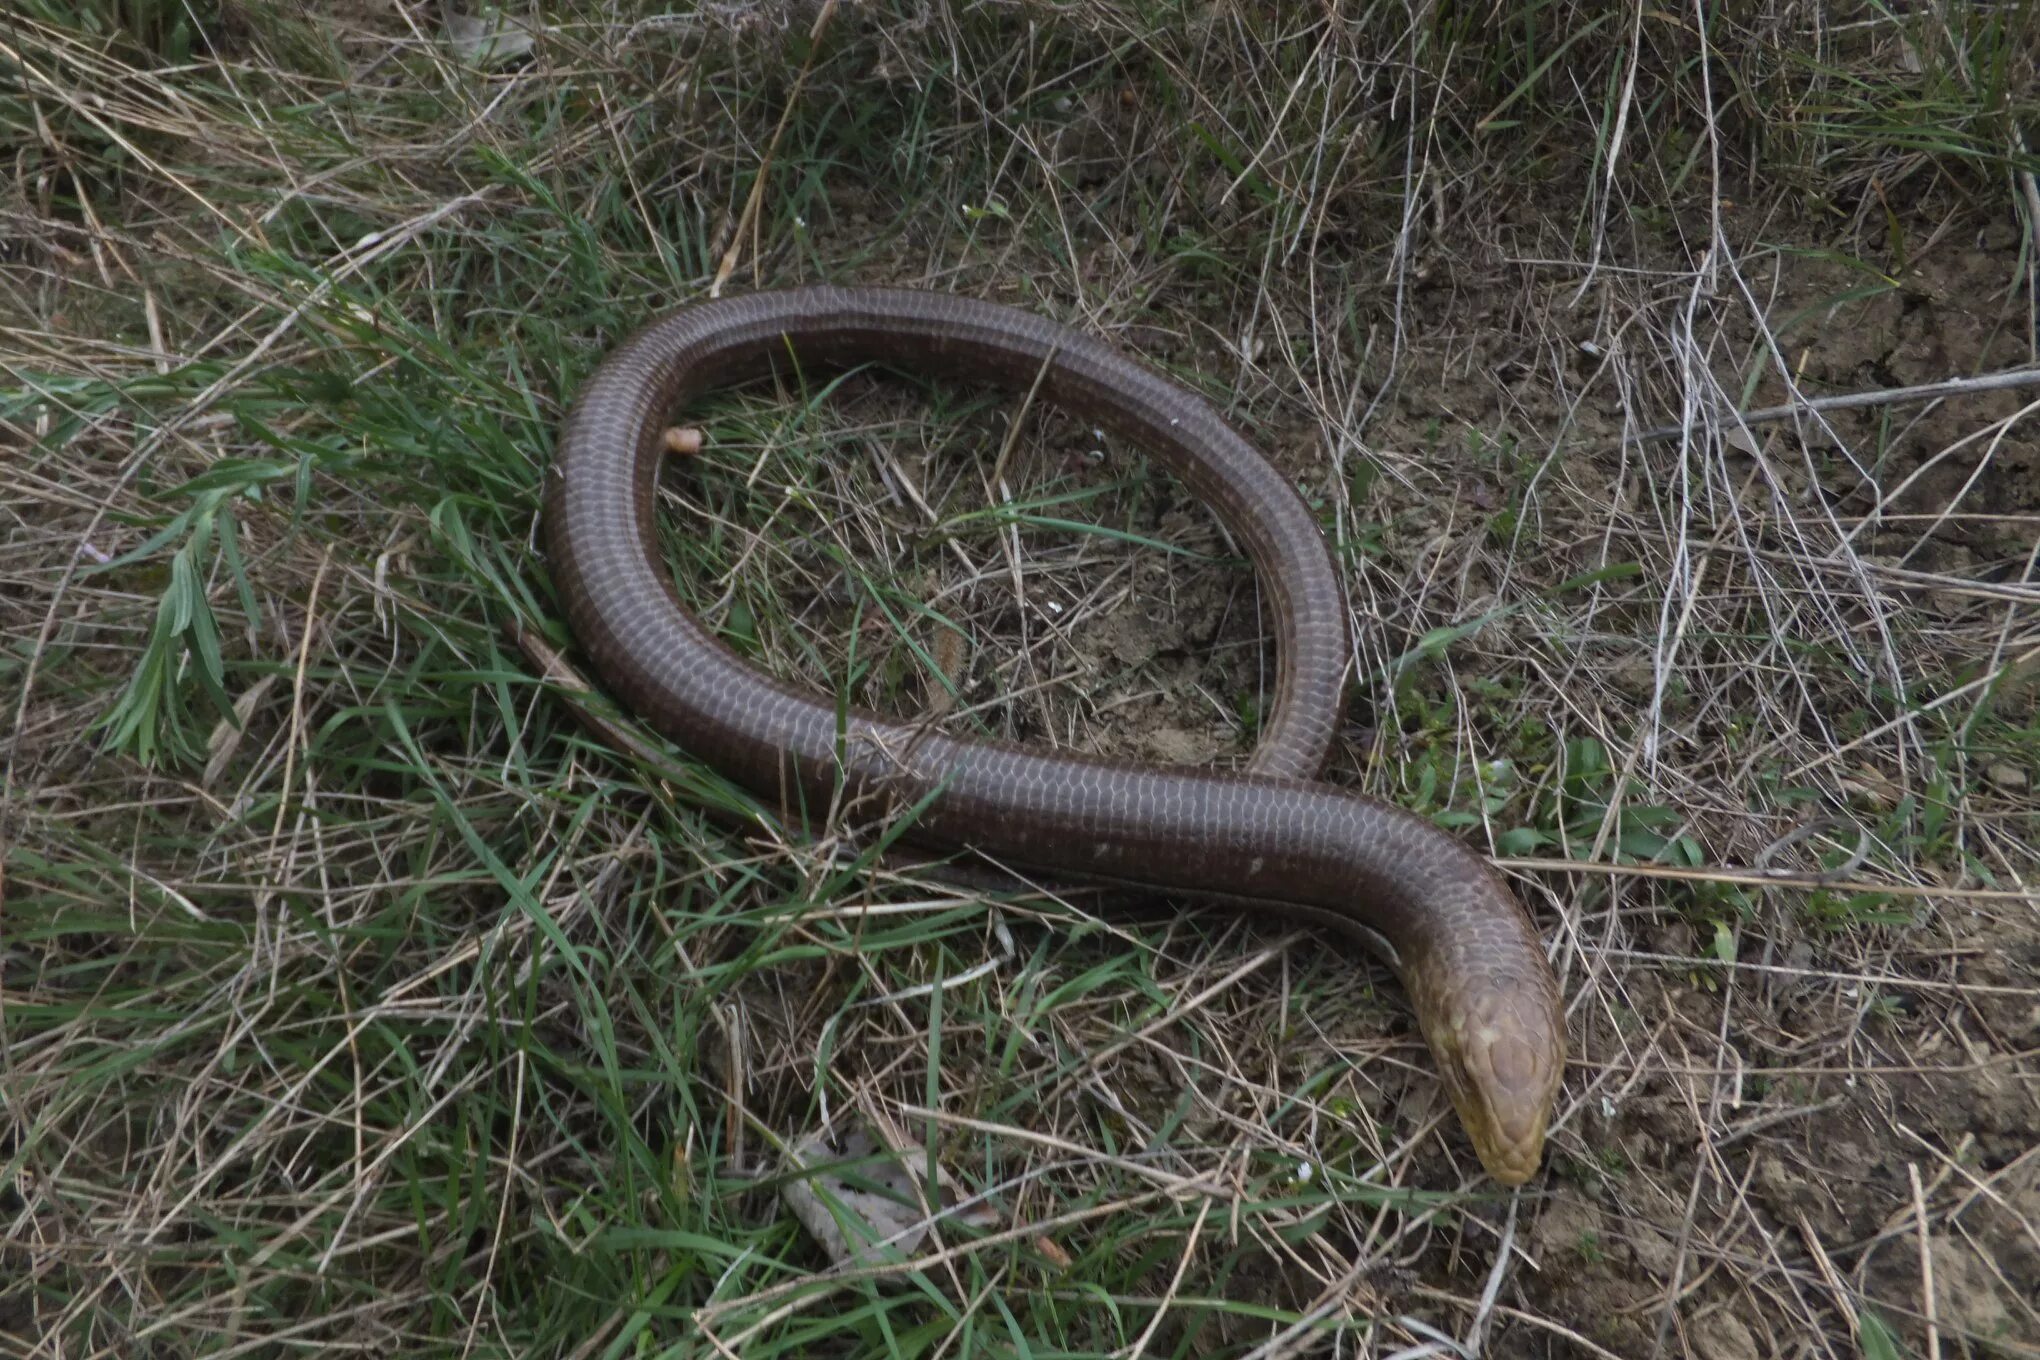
x: 867, y: 1204
x: 490, y: 38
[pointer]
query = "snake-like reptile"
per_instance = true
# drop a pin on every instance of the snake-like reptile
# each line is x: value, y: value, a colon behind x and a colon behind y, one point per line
x: 1269, y: 840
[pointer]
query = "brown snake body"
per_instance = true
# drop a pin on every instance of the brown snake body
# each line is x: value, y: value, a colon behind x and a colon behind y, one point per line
x: 1267, y: 839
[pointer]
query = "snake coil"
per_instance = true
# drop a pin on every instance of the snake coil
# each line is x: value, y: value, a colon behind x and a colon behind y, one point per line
x: 1268, y: 839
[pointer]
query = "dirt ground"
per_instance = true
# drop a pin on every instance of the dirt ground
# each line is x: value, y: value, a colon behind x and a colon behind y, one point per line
x: 1751, y: 716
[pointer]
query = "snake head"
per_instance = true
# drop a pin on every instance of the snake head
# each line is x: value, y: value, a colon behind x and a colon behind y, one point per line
x: 1501, y: 1051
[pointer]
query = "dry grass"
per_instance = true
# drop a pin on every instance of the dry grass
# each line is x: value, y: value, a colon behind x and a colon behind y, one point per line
x: 399, y: 1015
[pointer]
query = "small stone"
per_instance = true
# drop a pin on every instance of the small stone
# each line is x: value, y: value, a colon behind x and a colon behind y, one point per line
x: 2005, y: 775
x: 1721, y: 1336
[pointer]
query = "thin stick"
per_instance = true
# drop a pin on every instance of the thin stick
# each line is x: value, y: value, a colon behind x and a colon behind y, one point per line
x: 757, y: 196
x: 2031, y: 188
x: 1912, y: 1170
x: 1764, y: 878
x: 1887, y: 396
x: 1476, y: 1331
x: 1140, y: 1343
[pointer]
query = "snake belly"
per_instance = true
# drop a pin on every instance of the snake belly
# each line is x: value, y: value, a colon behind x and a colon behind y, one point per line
x: 1266, y: 840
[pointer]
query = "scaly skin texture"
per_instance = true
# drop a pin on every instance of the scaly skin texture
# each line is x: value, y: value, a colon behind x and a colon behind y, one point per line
x: 1265, y: 841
